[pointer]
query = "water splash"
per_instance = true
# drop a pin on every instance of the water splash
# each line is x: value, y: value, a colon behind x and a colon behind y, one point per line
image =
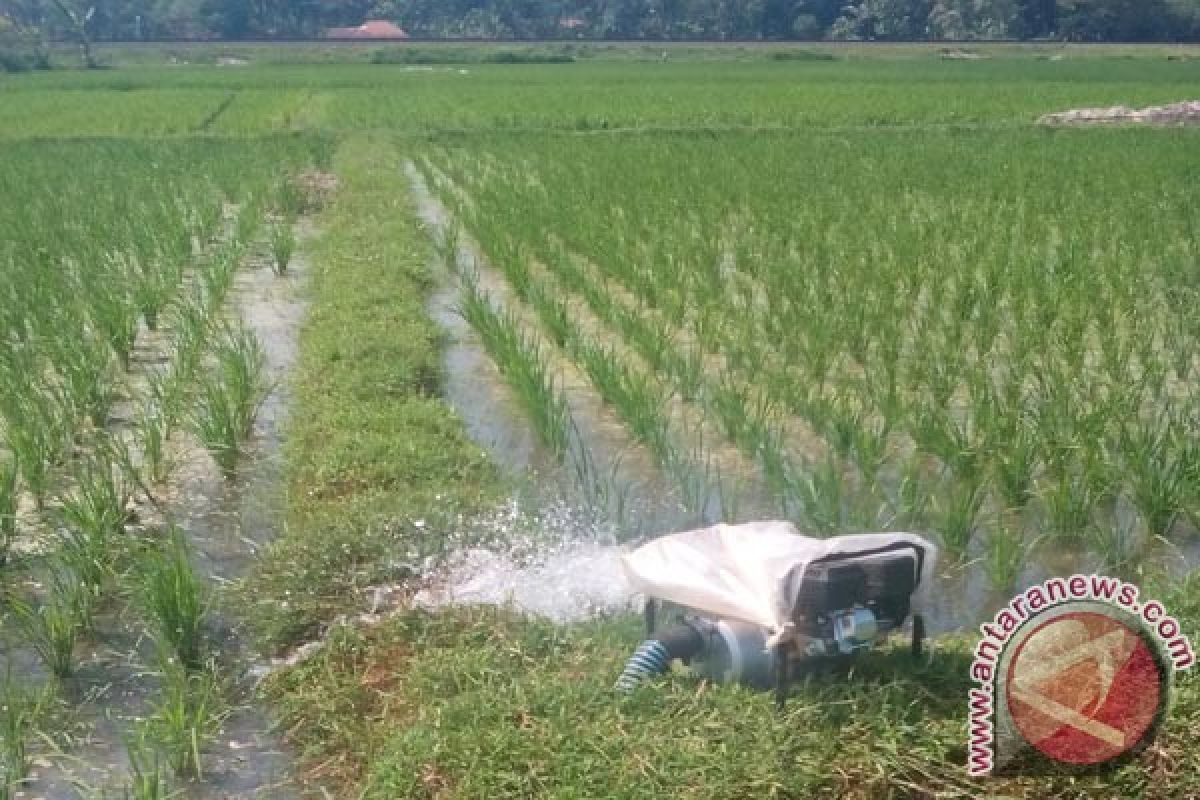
x: 558, y: 563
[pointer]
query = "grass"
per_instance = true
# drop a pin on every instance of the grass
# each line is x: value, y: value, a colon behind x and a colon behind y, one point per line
x: 481, y: 703
x: 375, y: 449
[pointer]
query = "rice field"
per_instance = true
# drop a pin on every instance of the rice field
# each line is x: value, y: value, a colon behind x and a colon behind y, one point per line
x: 860, y: 289
x: 982, y: 335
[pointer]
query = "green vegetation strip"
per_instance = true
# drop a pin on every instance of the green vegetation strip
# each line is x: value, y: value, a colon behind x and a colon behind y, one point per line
x: 379, y: 469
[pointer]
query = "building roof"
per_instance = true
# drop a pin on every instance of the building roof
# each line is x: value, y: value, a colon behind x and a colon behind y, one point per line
x: 371, y: 29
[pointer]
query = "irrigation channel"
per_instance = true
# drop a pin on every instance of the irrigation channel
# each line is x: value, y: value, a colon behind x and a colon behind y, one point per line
x: 225, y: 523
x: 606, y: 493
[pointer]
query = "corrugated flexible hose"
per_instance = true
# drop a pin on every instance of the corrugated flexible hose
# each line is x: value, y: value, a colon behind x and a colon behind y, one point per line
x: 653, y: 656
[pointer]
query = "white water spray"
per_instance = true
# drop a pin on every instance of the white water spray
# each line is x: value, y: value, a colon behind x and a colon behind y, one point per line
x: 564, y: 570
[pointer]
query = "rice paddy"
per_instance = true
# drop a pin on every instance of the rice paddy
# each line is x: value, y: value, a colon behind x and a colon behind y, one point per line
x: 862, y: 292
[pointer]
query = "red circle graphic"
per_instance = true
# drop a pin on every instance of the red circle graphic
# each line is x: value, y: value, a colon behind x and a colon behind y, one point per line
x: 1084, y: 687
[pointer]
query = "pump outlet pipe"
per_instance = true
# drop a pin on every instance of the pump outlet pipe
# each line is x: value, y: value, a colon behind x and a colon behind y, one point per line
x: 655, y: 654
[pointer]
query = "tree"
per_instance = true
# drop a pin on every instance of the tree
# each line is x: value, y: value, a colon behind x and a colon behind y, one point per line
x: 21, y: 46
x: 78, y: 19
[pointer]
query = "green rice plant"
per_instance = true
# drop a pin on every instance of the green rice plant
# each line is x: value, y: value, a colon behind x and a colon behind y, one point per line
x: 230, y: 396
x: 152, y: 291
x: 217, y: 275
x: 523, y: 367
x: 94, y: 515
x: 152, y: 431
x: 634, y: 397
x: 554, y: 315
x: 1068, y: 499
x: 114, y: 315
x: 1005, y: 556
x: 291, y: 200
x: 955, y: 514
x: 822, y: 496
x: 174, y: 599
x: 1114, y: 541
x: 32, y: 453
x: 249, y: 217
x: 185, y: 717
x: 912, y: 497
x: 448, y: 245
x: 9, y: 469
x: 1157, y: 468
x: 283, y: 244
x: 17, y: 713
x: 52, y: 628
x: 1013, y: 460
x: 166, y: 393
x: 147, y: 780
x: 84, y: 369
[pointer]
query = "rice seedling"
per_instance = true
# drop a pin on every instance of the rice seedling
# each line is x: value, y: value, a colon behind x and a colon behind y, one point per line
x: 8, y: 506
x: 1114, y: 542
x: 152, y: 291
x: 1157, y: 468
x: 17, y: 714
x: 152, y: 431
x: 52, y: 628
x: 147, y: 780
x: 822, y: 496
x: 229, y: 397
x: 637, y: 398
x: 955, y: 516
x: 185, y: 717
x: 291, y: 200
x: 283, y: 244
x: 1005, y: 556
x: 94, y: 515
x: 33, y: 435
x: 249, y: 218
x: 174, y: 600
x: 523, y: 368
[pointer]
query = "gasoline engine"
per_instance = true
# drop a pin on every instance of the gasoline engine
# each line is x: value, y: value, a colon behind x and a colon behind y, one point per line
x: 754, y: 602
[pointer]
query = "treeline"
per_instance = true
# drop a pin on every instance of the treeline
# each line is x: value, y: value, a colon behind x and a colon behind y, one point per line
x: 24, y: 22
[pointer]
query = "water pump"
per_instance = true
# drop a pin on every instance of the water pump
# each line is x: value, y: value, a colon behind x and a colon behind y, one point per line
x: 758, y: 600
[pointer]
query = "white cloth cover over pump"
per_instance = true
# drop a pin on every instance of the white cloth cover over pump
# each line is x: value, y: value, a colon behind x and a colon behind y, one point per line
x: 753, y: 571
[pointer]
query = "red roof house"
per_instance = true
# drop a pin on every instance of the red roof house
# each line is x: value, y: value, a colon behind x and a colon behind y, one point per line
x: 371, y: 29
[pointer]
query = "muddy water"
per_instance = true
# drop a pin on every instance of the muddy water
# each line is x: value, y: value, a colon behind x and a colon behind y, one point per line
x: 117, y: 682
